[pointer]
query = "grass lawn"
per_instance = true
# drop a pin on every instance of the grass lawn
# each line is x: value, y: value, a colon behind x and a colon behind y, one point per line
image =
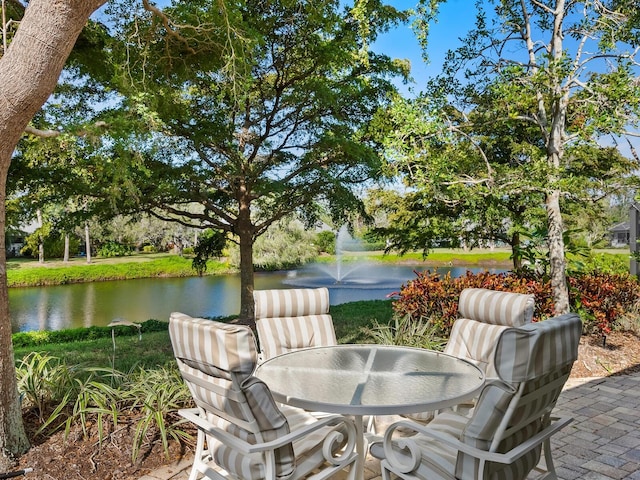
x: 154, y: 348
x: 22, y: 262
x: 22, y: 273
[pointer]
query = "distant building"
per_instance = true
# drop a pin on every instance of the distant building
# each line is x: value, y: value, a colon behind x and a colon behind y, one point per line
x: 14, y: 240
x: 619, y: 235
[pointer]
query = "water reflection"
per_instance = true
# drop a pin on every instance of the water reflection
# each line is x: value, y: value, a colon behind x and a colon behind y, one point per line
x: 87, y: 304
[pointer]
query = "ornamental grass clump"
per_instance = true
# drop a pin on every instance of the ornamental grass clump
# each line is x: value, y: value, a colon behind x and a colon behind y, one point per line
x: 156, y: 395
x: 406, y: 332
x: 60, y: 396
x: 43, y: 381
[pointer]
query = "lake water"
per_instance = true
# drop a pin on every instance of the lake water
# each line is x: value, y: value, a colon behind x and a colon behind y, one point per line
x: 98, y: 303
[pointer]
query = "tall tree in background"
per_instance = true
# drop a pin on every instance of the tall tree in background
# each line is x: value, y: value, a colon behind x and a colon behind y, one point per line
x: 29, y: 71
x: 280, y: 132
x: 550, y: 79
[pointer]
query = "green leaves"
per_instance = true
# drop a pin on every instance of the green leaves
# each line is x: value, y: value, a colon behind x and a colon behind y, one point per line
x: 519, y: 113
x: 63, y: 396
x: 407, y: 331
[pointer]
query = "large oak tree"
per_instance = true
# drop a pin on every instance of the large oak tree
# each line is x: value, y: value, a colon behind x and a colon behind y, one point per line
x: 281, y: 132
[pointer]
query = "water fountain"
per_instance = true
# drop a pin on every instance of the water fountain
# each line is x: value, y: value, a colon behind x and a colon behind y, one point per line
x: 347, y: 273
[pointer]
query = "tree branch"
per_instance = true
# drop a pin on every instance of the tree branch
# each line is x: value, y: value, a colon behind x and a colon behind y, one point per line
x: 56, y: 133
x: 167, y: 24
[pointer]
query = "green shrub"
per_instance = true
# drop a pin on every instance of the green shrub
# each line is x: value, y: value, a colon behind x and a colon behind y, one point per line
x: 602, y: 263
x: 53, y: 244
x: 149, y: 249
x: 38, y: 338
x: 284, y: 245
x: 372, y: 246
x: 326, y: 242
x: 114, y: 249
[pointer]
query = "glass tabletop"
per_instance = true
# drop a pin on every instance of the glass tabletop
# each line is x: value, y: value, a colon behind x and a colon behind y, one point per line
x: 370, y: 379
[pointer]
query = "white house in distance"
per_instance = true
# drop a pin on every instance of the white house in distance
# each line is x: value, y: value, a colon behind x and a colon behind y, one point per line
x: 619, y: 235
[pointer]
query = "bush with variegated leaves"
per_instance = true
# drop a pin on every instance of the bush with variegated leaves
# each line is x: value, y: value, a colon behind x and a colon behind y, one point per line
x: 600, y: 299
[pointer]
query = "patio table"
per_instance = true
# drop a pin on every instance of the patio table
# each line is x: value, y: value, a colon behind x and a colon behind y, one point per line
x: 364, y: 380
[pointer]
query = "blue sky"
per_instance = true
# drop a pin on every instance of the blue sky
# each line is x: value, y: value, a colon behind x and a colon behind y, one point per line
x: 455, y: 19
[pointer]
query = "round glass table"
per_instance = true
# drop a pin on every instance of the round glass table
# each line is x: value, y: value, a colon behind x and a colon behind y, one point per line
x: 363, y: 380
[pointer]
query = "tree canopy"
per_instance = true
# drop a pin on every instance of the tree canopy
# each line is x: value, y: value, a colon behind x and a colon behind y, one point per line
x: 521, y: 121
x: 254, y: 133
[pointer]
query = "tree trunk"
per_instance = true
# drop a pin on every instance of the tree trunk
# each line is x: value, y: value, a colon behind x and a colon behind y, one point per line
x: 13, y: 439
x: 245, y: 237
x: 29, y: 71
x: 66, y: 248
x: 515, y: 251
x: 559, y: 287
x: 555, y: 152
x: 247, y: 313
x: 87, y: 242
x: 40, y: 237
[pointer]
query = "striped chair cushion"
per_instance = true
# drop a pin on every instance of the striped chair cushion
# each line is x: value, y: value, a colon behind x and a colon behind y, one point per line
x: 532, y: 363
x: 213, y: 347
x: 497, y: 308
x: 308, y: 449
x: 441, y: 462
x: 294, y: 302
x: 437, y: 461
x: 291, y: 319
x: 284, y: 334
x: 536, y: 349
x: 481, y: 429
x: 476, y: 342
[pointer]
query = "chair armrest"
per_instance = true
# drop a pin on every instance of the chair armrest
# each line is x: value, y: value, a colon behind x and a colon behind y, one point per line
x: 194, y: 416
x: 411, y: 459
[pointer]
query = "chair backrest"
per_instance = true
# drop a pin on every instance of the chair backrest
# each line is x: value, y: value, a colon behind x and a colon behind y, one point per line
x: 533, y: 363
x: 216, y: 361
x: 485, y: 314
x: 495, y: 307
x: 290, y: 319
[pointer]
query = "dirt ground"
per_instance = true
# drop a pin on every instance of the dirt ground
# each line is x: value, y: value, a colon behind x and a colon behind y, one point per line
x: 617, y: 354
x: 77, y: 458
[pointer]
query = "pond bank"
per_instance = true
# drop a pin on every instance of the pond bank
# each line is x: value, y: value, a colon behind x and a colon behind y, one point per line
x: 32, y: 274
x: 29, y: 273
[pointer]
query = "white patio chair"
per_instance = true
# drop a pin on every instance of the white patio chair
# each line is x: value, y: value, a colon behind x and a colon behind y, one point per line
x: 511, y: 423
x: 484, y: 315
x: 289, y: 319
x: 242, y: 433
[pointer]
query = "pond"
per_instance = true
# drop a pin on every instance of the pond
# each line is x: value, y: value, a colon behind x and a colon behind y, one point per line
x: 98, y: 303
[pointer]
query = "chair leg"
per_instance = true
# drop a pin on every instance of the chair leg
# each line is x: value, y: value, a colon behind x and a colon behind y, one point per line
x: 386, y: 474
x: 371, y: 425
x: 548, y: 459
x: 199, y: 456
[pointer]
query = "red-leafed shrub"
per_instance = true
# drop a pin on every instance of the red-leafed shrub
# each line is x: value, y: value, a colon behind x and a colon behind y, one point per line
x: 600, y: 299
